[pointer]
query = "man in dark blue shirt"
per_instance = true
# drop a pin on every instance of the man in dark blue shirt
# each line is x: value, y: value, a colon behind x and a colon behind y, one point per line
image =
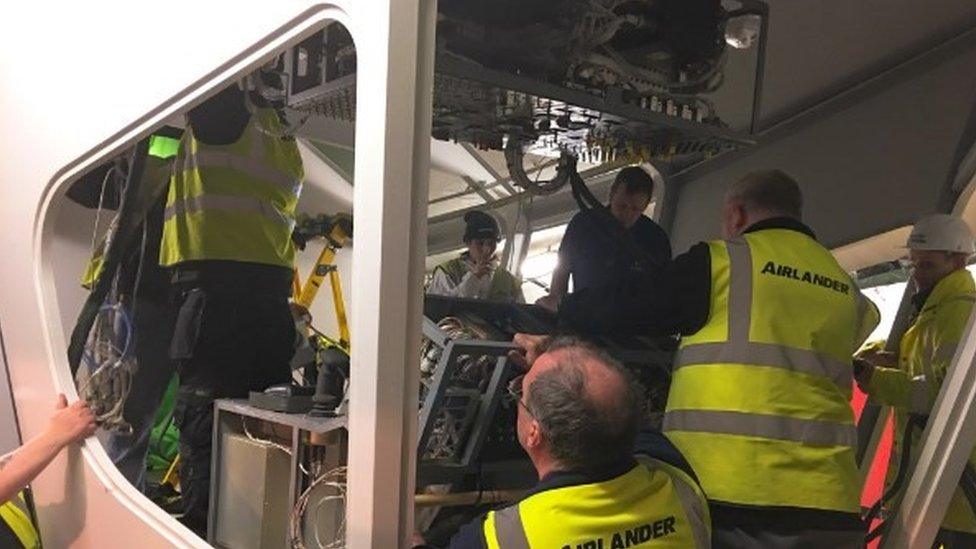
x: 607, y: 250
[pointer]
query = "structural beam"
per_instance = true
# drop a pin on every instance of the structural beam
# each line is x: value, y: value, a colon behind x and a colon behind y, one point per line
x: 479, y: 188
x: 503, y: 181
x: 393, y: 126
x: 518, y: 239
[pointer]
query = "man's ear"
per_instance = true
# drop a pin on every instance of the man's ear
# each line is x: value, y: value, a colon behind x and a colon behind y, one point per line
x: 533, y: 435
x: 959, y: 260
x: 740, y: 218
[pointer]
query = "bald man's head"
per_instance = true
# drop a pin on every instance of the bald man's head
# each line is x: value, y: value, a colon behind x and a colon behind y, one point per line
x: 587, y: 405
x: 758, y: 196
x: 771, y: 192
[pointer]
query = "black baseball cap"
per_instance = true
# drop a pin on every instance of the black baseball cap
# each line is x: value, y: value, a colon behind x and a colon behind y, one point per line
x: 478, y: 225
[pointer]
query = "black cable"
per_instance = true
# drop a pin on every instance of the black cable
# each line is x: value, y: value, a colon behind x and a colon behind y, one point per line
x: 582, y: 194
x: 114, y: 254
x: 162, y: 433
x: 968, y: 485
x: 914, y: 420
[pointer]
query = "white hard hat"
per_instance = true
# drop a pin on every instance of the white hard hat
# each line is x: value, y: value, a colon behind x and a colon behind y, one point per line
x: 943, y: 233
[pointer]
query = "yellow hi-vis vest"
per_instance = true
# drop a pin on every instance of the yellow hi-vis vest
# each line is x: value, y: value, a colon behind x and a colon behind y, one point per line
x: 14, y: 514
x: 759, y: 400
x: 653, y: 505
x: 924, y: 356
x: 503, y: 287
x: 234, y: 202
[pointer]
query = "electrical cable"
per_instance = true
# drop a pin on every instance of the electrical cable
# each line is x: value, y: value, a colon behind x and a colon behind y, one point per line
x: 336, y: 479
x: 914, y: 420
x: 159, y: 440
x: 968, y: 485
x: 138, y: 278
x: 122, y: 237
x: 268, y: 442
x: 967, y: 482
x: 109, y: 366
x: 98, y: 212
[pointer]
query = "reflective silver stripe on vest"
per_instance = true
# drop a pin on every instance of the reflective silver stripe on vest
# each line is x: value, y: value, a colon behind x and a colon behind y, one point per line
x: 244, y: 164
x: 693, y: 506
x: 739, y: 350
x: 227, y: 203
x: 806, y: 431
x: 740, y: 289
x: 509, y: 531
x: 801, y: 361
x: 862, y: 309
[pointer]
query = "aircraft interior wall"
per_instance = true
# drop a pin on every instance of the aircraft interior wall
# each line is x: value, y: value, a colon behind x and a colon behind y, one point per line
x: 870, y: 168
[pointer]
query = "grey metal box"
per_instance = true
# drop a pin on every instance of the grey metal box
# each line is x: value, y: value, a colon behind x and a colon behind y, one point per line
x: 252, y: 494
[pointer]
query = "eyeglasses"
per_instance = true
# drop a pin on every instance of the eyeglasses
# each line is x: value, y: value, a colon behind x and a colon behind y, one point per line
x: 923, y: 265
x: 515, y: 392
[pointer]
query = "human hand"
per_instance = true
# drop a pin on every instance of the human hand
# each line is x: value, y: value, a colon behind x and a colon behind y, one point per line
x: 548, y: 302
x: 480, y: 268
x: 529, y: 347
x: 71, y: 423
x: 417, y: 540
x: 300, y: 313
x: 862, y: 373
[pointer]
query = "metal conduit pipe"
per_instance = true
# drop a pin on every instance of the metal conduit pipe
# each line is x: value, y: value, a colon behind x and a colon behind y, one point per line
x: 565, y: 169
x: 467, y: 498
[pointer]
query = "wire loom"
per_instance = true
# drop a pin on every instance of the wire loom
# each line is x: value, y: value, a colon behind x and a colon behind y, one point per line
x: 108, y: 356
x: 336, y: 480
x: 110, y: 365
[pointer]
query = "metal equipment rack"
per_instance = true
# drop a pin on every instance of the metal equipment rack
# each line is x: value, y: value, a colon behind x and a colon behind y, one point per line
x: 228, y: 417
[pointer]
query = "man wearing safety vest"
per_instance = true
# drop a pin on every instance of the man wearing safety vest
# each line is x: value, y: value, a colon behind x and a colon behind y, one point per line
x: 759, y: 400
x: 227, y: 231
x: 578, y: 417
x: 939, y: 247
x: 475, y: 275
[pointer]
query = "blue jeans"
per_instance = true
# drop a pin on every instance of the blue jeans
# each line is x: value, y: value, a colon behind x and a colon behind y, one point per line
x: 154, y: 329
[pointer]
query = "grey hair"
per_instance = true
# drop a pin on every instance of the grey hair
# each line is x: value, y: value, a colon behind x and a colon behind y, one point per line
x: 768, y: 191
x: 581, y: 432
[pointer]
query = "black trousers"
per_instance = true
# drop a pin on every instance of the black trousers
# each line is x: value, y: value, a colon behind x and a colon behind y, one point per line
x: 949, y: 539
x: 744, y: 527
x: 786, y: 537
x: 226, y: 342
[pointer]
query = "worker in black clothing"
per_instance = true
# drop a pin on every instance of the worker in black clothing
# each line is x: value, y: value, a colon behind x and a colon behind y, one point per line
x: 600, y: 250
x: 229, y: 217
